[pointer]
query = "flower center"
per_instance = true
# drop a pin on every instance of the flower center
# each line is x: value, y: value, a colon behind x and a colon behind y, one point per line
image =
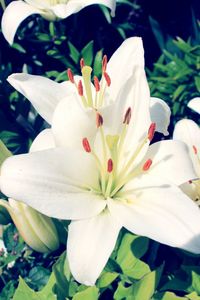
x: 93, y: 98
x: 116, y: 167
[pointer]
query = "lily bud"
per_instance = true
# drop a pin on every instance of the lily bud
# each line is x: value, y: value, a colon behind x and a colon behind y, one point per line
x: 37, y: 230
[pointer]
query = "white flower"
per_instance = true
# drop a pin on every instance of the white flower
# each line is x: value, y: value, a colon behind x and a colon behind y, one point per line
x: 101, y: 171
x: 188, y: 132
x: 19, y: 10
x: 195, y: 104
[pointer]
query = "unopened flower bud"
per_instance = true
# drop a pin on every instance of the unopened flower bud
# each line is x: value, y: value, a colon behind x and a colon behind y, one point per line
x: 37, y: 230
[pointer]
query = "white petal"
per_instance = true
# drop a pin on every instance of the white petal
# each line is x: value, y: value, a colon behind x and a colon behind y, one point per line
x: 170, y: 161
x: 15, y: 13
x: 53, y: 182
x: 188, y: 132
x: 160, y: 114
x: 73, y: 6
x: 195, y: 104
x: 159, y: 210
x: 71, y: 123
x: 44, y: 140
x: 90, y: 243
x: 123, y: 63
x: 43, y: 93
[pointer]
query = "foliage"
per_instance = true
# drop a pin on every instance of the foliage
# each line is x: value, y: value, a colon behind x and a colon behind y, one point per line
x: 175, y: 77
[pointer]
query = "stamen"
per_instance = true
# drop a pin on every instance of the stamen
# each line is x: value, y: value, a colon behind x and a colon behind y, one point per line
x: 86, y: 145
x: 70, y: 75
x: 127, y: 116
x: 107, y: 78
x: 82, y: 63
x: 109, y: 165
x: 96, y: 84
x: 195, y: 149
x: 99, y: 120
x: 147, y: 165
x: 151, y: 131
x: 190, y: 181
x: 80, y: 88
x: 104, y: 63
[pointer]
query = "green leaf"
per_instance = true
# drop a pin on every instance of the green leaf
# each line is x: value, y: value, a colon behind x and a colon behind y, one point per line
x: 131, y: 249
x: 26, y: 293
x: 62, y: 276
x: 171, y: 296
x: 38, y: 277
x: 106, y: 279
x: 145, y: 287
x: 87, y: 53
x: 123, y: 292
x: 97, y: 66
x: 193, y: 296
x: 178, y: 91
x: 74, y: 53
x: 91, y: 293
x: 197, y: 83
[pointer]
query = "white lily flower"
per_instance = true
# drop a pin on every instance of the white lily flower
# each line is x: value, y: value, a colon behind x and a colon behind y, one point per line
x: 188, y: 132
x: 194, y: 104
x: 101, y: 171
x: 17, y: 11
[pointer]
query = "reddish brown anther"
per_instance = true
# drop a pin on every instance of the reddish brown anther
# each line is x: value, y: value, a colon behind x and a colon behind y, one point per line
x: 195, y: 149
x: 96, y: 84
x: 86, y: 145
x: 107, y: 78
x: 190, y: 181
x: 151, y: 131
x: 147, y: 165
x: 127, y: 116
x: 82, y: 63
x: 70, y: 75
x: 104, y: 63
x: 99, y: 120
x: 80, y: 88
x: 110, y: 165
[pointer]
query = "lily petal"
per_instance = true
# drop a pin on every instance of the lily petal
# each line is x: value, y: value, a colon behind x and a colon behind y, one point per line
x: 159, y: 210
x: 43, y: 93
x: 44, y: 140
x: 195, y: 104
x: 71, y: 123
x: 65, y: 10
x: 90, y: 243
x: 170, y: 161
x: 54, y: 182
x: 123, y: 63
x: 188, y: 132
x: 15, y: 13
x: 160, y: 114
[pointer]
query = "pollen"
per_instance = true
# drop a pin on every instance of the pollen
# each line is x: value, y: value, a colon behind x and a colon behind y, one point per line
x: 86, y: 145
x: 147, y: 165
x: 99, y: 120
x: 96, y: 84
x: 194, y: 149
x: 104, y: 63
x: 70, y: 75
x: 110, y: 165
x: 80, y: 88
x: 107, y: 78
x: 151, y: 131
x: 127, y: 116
x: 82, y: 63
